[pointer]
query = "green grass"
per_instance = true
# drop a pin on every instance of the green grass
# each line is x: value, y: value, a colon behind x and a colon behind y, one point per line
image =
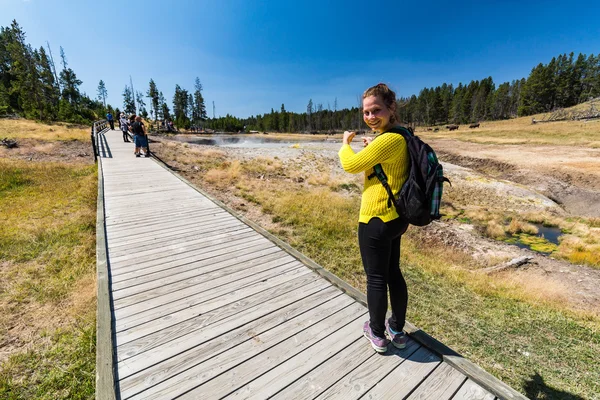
x: 63, y: 369
x: 47, y: 249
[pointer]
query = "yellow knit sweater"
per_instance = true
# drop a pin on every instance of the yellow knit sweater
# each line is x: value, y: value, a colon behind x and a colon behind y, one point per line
x: 391, y: 152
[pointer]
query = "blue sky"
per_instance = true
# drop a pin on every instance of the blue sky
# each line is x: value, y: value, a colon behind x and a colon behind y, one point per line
x: 252, y: 56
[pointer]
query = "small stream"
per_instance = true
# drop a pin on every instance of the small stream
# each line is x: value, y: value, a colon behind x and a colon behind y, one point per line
x: 549, y: 234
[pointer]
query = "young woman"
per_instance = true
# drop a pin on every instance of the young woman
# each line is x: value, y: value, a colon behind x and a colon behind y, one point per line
x: 380, y: 227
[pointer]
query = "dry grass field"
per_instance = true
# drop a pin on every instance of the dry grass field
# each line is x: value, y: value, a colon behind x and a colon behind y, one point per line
x: 47, y: 262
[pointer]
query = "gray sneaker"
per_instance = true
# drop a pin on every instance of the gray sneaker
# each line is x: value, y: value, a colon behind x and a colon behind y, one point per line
x: 379, y: 344
x: 398, y: 339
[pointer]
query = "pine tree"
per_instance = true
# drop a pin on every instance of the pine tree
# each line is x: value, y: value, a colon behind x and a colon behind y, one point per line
x: 309, y: 113
x: 69, y: 82
x: 190, y: 111
x: 180, y: 105
x: 590, y: 81
x: 456, y: 113
x: 537, y: 92
x: 579, y: 71
x: 447, y: 92
x: 501, y: 104
x: 50, y: 92
x: 152, y: 93
x: 4, y: 100
x: 141, y: 105
x: 284, y: 119
x: 199, y: 106
x: 5, y: 75
x: 20, y: 70
x: 102, y: 93
x: 128, y: 104
x: 164, y: 108
x: 562, y: 79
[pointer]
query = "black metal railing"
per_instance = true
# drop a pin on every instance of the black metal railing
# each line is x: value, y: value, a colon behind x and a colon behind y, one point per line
x: 97, y: 128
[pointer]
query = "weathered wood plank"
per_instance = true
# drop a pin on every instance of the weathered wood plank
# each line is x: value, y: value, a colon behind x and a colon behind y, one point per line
x: 251, y: 250
x: 230, y: 241
x: 406, y: 376
x: 287, y: 372
x: 441, y: 384
x: 142, y: 228
x: 198, y: 274
x: 232, y: 331
x: 128, y: 218
x: 253, y: 357
x: 202, y: 216
x: 320, y: 378
x: 201, y: 293
x: 472, y: 391
x: 161, y: 305
x: 175, y: 200
x: 207, y: 290
x: 201, y: 255
x: 151, y: 242
x: 366, y: 375
x: 176, y: 196
x: 172, y: 234
x: 162, y: 348
x: 162, y: 252
x: 165, y: 232
x: 153, y: 188
x: 148, y: 336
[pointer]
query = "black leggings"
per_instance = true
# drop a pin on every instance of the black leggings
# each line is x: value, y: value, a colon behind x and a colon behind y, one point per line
x: 125, y: 136
x: 112, y: 125
x: 379, y: 244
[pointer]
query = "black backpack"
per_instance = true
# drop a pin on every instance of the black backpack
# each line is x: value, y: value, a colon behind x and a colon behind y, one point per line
x: 418, y: 201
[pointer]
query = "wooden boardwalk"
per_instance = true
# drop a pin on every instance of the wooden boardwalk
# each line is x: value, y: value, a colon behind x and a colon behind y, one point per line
x: 200, y: 304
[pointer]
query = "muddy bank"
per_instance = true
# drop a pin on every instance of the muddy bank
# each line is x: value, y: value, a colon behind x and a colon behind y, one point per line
x: 577, y: 192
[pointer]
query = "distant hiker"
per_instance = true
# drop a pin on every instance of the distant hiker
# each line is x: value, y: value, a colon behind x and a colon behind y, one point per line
x: 380, y: 227
x: 111, y: 121
x: 124, y: 125
x: 140, y: 139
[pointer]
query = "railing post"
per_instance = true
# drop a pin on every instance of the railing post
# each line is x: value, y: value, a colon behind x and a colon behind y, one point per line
x: 94, y: 148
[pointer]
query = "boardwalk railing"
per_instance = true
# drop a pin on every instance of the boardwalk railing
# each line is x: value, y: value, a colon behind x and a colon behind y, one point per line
x: 97, y: 128
x: 105, y: 365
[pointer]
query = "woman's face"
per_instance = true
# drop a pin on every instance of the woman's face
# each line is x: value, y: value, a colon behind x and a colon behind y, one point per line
x: 376, y: 114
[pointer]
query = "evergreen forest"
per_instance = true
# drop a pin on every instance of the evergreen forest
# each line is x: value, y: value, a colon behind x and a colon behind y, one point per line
x: 31, y: 86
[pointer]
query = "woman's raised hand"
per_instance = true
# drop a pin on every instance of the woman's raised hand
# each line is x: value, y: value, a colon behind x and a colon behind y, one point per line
x: 348, y: 136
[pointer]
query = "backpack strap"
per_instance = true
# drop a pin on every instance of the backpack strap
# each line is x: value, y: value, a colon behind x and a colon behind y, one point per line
x: 378, y: 172
x: 378, y: 169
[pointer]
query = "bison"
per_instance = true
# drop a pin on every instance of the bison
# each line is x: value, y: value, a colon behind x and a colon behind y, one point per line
x: 452, y: 127
x: 474, y: 125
